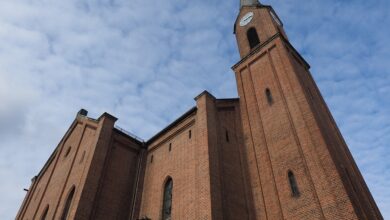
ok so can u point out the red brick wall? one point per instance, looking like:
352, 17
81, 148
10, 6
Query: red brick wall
279, 137
208, 172
236, 201
116, 191
93, 176
177, 163
89, 167
296, 132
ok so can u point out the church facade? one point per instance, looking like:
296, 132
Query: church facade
273, 153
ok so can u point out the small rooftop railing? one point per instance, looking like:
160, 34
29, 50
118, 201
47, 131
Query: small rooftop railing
130, 134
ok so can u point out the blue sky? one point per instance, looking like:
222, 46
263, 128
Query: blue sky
145, 61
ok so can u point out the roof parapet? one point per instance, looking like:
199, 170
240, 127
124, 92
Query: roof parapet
205, 92
249, 3
82, 112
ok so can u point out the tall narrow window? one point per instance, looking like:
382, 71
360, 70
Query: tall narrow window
227, 135
68, 202
44, 214
170, 147
189, 134
167, 200
67, 151
269, 96
293, 184
253, 38
151, 159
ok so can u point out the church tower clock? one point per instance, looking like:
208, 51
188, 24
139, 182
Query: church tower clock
299, 165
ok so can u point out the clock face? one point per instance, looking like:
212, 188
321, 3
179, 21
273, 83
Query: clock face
246, 19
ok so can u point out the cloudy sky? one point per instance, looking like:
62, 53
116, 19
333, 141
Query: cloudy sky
144, 61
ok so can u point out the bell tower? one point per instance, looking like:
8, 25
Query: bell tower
298, 162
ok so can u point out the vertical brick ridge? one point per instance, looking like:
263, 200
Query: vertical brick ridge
63, 190
93, 178
216, 159
235, 200
266, 145
250, 147
138, 187
292, 125
243, 161
103, 173
270, 195
208, 185
322, 182
51, 174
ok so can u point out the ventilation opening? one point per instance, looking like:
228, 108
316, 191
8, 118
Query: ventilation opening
269, 96
293, 184
189, 134
170, 146
253, 38
67, 151
151, 159
227, 135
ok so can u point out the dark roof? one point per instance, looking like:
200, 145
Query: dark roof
129, 135
174, 123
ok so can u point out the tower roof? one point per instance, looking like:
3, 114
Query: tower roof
248, 2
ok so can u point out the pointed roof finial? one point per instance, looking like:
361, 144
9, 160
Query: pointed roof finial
248, 2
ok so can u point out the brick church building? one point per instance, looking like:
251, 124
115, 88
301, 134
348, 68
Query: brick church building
273, 153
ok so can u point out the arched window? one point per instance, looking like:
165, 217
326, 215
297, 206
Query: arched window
253, 38
44, 214
167, 200
293, 184
269, 96
68, 202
